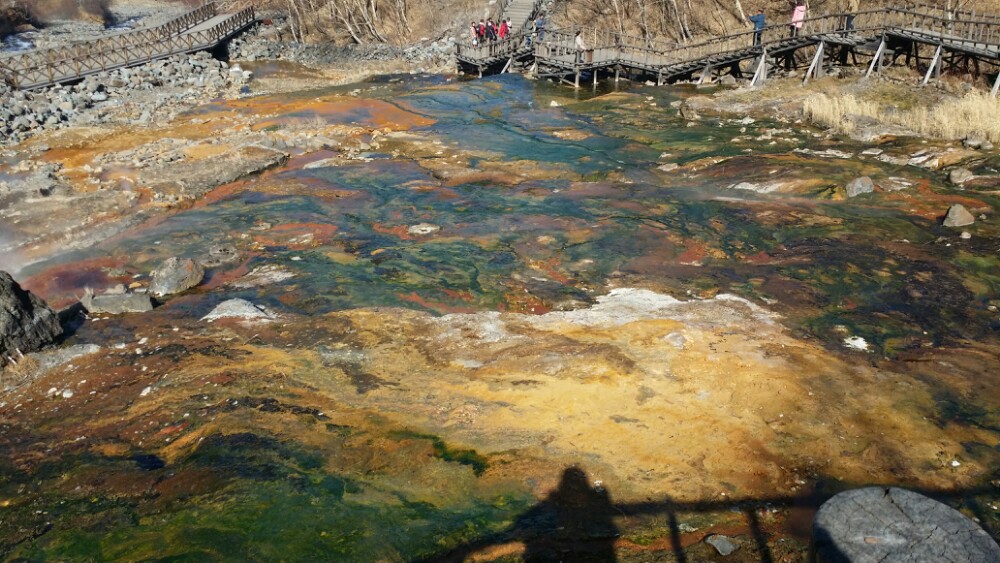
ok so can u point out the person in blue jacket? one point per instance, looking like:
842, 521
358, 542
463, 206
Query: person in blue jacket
758, 26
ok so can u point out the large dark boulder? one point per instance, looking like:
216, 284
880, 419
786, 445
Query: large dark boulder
26, 322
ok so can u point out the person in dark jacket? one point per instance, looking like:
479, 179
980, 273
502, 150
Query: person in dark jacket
759, 24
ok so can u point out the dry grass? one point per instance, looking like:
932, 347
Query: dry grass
949, 118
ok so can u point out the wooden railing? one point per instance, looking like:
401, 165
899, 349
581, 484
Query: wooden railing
612, 48
50, 66
189, 20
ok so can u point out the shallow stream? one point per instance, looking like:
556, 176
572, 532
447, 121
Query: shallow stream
389, 257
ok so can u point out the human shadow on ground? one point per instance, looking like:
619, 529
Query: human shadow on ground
573, 523
576, 521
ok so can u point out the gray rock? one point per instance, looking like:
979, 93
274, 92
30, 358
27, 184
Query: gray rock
722, 544
975, 141
117, 303
896, 525
958, 216
858, 186
239, 309
959, 176
176, 275
26, 322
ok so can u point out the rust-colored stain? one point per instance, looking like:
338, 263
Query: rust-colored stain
297, 236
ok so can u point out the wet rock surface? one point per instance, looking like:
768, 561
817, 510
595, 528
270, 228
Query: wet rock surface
27, 323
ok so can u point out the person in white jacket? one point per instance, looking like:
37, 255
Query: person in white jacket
581, 47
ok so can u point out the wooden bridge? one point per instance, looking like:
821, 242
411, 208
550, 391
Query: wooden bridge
953, 38
197, 30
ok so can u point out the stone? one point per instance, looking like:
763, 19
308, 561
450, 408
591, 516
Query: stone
858, 186
668, 167
176, 275
688, 112
958, 216
239, 309
117, 303
892, 524
975, 141
722, 544
959, 176
27, 323
219, 255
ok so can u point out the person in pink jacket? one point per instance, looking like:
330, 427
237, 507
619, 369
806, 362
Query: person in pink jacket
798, 16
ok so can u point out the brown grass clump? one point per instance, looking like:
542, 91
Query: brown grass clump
949, 118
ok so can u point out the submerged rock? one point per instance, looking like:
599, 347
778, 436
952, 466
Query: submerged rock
891, 524
858, 186
958, 216
176, 275
239, 309
27, 323
117, 303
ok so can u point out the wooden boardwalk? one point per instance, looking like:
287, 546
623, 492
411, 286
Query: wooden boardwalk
881, 34
200, 29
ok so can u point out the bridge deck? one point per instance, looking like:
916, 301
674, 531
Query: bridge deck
555, 53
197, 30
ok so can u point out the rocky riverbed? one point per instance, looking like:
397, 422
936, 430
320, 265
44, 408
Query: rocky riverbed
418, 317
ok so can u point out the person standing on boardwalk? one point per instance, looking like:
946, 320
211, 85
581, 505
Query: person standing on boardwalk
759, 24
798, 17
581, 47
504, 29
540, 27
852, 9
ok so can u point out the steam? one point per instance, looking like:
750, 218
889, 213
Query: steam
11, 260
48, 10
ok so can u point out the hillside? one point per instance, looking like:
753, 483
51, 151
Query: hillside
400, 22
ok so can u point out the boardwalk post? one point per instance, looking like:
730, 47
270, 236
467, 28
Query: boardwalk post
935, 63
996, 86
816, 68
876, 60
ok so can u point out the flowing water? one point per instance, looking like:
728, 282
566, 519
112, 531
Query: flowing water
448, 336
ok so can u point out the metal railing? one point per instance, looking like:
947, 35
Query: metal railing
62, 64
